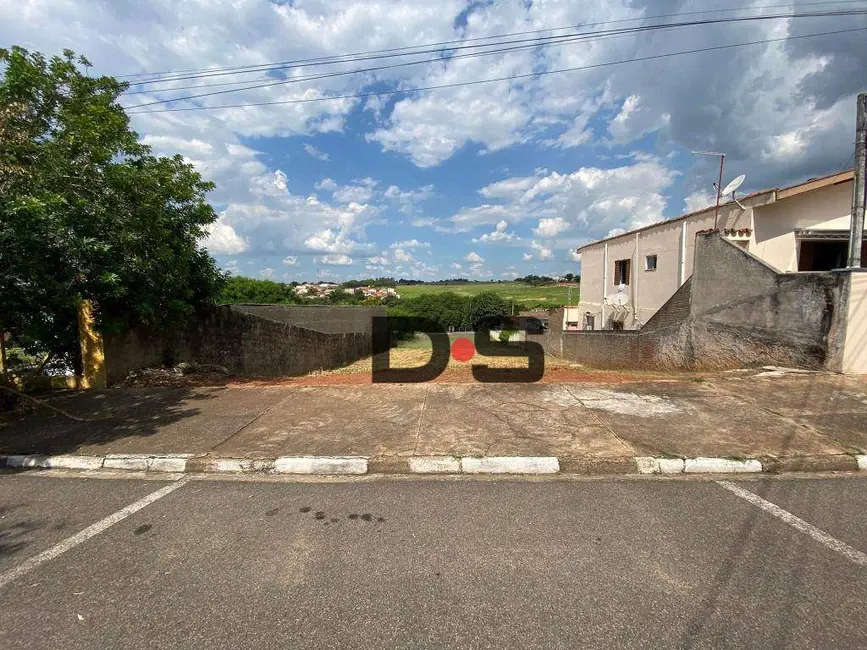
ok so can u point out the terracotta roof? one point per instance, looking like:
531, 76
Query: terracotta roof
782, 193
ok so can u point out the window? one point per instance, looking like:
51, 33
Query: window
617, 325
621, 272
589, 321
650, 263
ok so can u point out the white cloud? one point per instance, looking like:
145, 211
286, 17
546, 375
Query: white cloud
593, 198
573, 255
334, 260
401, 255
551, 227
410, 243
290, 261
327, 184
333, 241
698, 200
378, 260
540, 251
499, 234
474, 257
267, 274
316, 153
222, 239
634, 120
353, 194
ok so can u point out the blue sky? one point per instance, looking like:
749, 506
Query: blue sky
482, 181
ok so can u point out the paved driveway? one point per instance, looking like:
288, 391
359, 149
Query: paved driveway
728, 416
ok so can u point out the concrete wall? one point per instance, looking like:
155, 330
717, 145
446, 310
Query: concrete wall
245, 343
735, 311
324, 318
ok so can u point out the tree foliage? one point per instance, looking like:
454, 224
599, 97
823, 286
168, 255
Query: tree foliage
446, 308
486, 306
240, 290
87, 211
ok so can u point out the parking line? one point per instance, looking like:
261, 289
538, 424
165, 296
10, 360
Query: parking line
797, 523
87, 533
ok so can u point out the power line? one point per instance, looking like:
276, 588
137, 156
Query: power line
510, 78
536, 43
170, 75
546, 41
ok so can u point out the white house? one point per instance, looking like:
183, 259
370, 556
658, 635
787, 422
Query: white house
625, 279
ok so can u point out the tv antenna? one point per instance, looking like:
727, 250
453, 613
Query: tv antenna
731, 187
722, 161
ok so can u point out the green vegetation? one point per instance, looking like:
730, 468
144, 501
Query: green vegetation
523, 295
241, 290
87, 212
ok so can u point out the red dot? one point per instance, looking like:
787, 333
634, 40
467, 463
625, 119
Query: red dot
463, 349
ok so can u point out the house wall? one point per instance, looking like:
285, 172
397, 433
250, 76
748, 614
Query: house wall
735, 311
673, 243
773, 238
772, 221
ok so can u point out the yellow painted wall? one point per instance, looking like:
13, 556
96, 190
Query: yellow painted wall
773, 240
855, 350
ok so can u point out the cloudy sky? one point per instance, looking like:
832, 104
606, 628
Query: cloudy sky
488, 180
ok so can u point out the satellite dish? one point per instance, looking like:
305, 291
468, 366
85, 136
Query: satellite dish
735, 184
619, 299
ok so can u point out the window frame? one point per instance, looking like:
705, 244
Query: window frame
647, 258
624, 265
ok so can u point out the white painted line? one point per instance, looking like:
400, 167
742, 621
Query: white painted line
510, 465
862, 461
652, 465
64, 461
81, 537
434, 465
167, 464
721, 466
321, 465
797, 523
132, 463
238, 465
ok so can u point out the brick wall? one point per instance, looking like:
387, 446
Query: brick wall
246, 344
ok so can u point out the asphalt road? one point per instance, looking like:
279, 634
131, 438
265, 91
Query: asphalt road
619, 563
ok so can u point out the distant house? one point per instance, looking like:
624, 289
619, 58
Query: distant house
625, 279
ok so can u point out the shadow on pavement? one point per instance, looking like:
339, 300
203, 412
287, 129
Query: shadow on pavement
110, 415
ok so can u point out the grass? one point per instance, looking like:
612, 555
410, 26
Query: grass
552, 295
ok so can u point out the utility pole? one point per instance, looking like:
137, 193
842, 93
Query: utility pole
856, 226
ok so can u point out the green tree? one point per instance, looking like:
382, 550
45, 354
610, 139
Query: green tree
487, 305
241, 290
86, 211
446, 308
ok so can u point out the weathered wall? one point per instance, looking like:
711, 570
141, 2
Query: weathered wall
735, 311
246, 344
324, 318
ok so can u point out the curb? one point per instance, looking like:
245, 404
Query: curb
360, 465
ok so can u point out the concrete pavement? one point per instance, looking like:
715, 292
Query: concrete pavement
601, 563
806, 422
